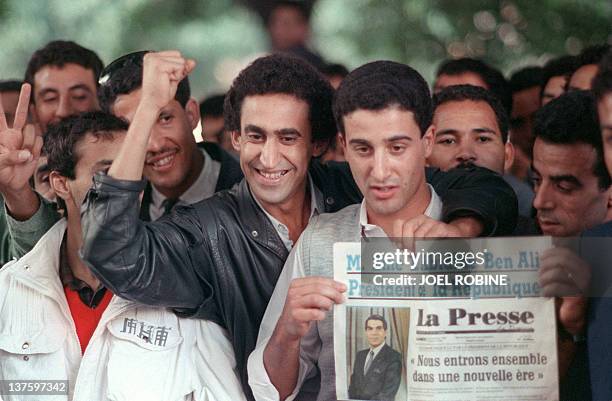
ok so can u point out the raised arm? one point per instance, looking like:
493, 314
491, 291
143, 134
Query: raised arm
161, 75
147, 262
19, 151
150, 263
27, 217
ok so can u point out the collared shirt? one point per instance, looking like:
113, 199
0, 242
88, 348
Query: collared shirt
87, 295
434, 211
374, 351
294, 268
377, 349
316, 205
202, 188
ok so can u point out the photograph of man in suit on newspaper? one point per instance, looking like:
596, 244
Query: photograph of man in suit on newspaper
377, 370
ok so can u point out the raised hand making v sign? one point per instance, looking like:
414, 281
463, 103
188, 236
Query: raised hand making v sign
19, 151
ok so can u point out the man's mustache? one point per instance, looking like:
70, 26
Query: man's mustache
465, 164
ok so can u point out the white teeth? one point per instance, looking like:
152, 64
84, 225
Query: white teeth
163, 162
273, 176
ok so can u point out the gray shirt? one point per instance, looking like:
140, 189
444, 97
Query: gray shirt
316, 205
313, 256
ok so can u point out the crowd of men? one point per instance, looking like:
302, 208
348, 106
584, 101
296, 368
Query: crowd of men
141, 264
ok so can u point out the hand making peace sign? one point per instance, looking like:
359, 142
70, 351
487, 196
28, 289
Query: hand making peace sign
19, 146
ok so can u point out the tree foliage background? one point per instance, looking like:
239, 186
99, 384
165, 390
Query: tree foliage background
224, 35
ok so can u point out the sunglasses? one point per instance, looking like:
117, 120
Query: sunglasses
127, 61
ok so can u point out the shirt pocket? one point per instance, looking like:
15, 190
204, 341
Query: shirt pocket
146, 360
33, 336
39, 355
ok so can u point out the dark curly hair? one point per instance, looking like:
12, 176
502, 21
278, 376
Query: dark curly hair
572, 118
458, 93
494, 79
61, 139
59, 53
124, 75
283, 74
381, 84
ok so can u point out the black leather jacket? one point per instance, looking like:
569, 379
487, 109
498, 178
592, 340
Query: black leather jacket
219, 259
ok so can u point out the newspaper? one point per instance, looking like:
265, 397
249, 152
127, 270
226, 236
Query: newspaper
487, 345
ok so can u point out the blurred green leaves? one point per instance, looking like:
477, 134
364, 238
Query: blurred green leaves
223, 36
508, 33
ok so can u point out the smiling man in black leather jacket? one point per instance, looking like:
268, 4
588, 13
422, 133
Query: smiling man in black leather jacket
219, 259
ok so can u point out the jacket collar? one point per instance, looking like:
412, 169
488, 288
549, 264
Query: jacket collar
315, 198
39, 268
256, 223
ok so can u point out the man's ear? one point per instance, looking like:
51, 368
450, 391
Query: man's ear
320, 147
508, 155
342, 140
427, 140
235, 140
192, 110
59, 184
